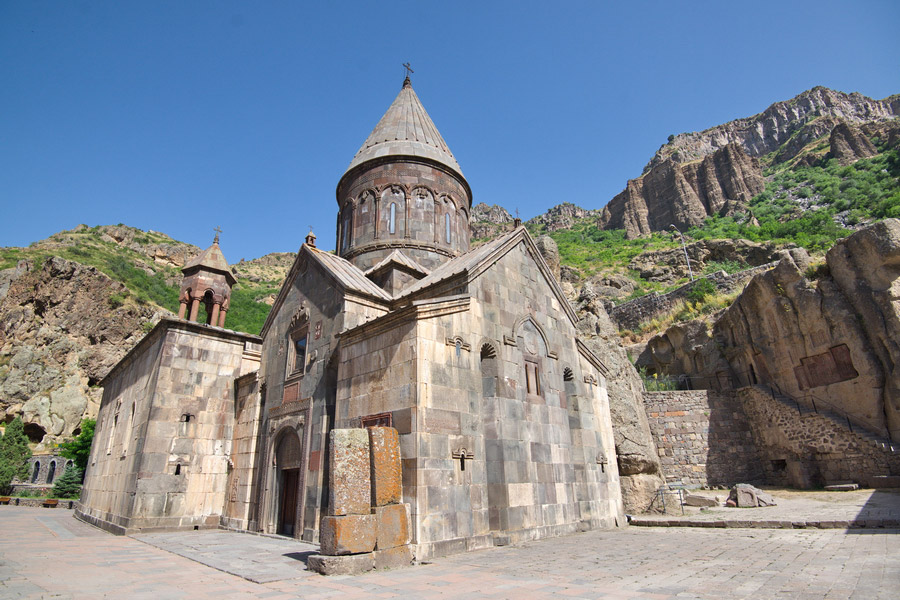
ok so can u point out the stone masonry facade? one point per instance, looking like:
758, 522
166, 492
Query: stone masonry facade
706, 437
703, 438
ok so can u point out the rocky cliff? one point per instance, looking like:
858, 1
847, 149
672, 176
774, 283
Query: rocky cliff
821, 333
684, 195
717, 171
62, 326
489, 221
767, 131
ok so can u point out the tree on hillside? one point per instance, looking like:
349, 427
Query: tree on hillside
79, 449
14, 455
69, 485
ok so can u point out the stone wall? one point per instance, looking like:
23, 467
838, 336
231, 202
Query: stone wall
160, 456
640, 310
805, 449
42, 475
703, 438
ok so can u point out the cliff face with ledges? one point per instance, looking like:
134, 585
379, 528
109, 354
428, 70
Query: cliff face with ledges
685, 194
766, 132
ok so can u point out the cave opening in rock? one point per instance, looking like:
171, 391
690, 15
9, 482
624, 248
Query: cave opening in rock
34, 432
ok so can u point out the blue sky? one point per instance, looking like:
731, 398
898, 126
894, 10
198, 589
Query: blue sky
183, 116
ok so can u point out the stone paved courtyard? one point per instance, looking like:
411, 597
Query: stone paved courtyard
48, 554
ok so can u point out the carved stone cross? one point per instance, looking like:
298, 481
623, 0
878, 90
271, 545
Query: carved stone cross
408, 69
463, 455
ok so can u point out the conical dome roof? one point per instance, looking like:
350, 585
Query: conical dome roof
406, 130
212, 259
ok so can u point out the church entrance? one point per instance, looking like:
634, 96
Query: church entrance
288, 458
290, 481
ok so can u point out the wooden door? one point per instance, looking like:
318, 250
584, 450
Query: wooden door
290, 479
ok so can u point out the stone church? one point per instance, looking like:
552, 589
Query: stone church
470, 354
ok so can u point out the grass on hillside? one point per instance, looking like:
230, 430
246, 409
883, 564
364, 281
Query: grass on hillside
864, 191
118, 263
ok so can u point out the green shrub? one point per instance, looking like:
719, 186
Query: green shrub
79, 449
14, 455
700, 290
69, 485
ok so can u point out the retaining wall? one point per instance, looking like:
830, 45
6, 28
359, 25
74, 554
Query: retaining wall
703, 438
640, 310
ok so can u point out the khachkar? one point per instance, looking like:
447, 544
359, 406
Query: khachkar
367, 525
208, 280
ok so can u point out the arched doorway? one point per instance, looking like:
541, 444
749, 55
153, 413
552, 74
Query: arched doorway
288, 458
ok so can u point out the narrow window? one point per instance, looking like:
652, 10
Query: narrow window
447, 227
51, 472
345, 230
37, 471
458, 348
532, 379
298, 349
392, 223
178, 469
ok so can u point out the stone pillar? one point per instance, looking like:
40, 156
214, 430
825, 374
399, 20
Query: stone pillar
195, 309
366, 526
182, 309
214, 318
222, 317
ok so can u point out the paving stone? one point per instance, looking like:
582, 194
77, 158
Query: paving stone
394, 558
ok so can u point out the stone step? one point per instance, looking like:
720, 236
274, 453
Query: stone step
841, 487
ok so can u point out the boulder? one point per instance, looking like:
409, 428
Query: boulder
744, 495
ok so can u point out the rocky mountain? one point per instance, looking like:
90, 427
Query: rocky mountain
684, 195
822, 333
63, 325
73, 305
716, 172
807, 117
489, 221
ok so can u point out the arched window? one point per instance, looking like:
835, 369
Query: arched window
392, 222
345, 230
51, 472
489, 370
447, 227
36, 472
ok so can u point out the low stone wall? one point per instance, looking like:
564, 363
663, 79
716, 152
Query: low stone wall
640, 310
69, 504
703, 438
810, 449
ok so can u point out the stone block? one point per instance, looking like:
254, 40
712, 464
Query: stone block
347, 534
341, 565
698, 500
394, 558
349, 492
393, 526
386, 473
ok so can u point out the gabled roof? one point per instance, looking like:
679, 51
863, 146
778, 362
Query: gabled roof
398, 258
475, 262
344, 273
213, 259
406, 130
348, 275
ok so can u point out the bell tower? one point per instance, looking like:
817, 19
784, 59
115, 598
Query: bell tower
207, 279
403, 191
